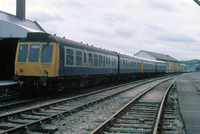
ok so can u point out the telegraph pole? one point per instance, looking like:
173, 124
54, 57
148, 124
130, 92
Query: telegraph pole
197, 1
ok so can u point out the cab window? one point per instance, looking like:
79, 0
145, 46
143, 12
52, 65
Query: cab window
34, 53
23, 50
47, 51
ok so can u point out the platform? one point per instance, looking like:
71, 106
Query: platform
189, 99
7, 83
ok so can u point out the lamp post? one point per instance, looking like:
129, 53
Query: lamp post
197, 1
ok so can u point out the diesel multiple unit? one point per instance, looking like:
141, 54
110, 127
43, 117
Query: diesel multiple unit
44, 59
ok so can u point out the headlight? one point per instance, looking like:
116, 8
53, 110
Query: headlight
20, 70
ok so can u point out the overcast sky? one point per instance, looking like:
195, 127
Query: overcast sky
126, 26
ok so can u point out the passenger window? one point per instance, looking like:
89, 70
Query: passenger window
104, 61
100, 61
132, 64
78, 58
90, 59
34, 53
124, 63
109, 61
69, 57
84, 57
112, 63
47, 51
95, 60
23, 50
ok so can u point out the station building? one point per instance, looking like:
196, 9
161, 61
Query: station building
17, 26
172, 64
13, 28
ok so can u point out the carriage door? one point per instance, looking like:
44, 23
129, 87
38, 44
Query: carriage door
156, 67
85, 58
84, 63
61, 62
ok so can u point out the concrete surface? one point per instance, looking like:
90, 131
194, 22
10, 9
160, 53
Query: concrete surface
189, 100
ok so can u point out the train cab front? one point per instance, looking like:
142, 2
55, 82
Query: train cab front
36, 62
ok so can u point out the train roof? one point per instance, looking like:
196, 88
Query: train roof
129, 57
139, 58
156, 61
46, 37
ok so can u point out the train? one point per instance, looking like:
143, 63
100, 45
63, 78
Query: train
45, 60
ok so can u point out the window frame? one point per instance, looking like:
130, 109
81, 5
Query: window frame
19, 53
42, 53
65, 56
96, 60
80, 57
30, 55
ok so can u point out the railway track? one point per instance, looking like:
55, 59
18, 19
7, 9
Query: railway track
15, 103
10, 97
10, 103
171, 120
33, 119
8, 90
143, 115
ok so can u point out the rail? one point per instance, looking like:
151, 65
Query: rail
62, 111
160, 109
104, 125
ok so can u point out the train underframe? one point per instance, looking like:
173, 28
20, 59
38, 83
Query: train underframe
48, 85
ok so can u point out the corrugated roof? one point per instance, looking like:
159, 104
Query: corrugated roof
18, 21
161, 56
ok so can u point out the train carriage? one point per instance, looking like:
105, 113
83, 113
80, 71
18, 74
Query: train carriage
129, 66
149, 66
82, 60
160, 67
43, 59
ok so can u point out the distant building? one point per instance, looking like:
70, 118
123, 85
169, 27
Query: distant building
197, 67
172, 64
185, 68
17, 26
